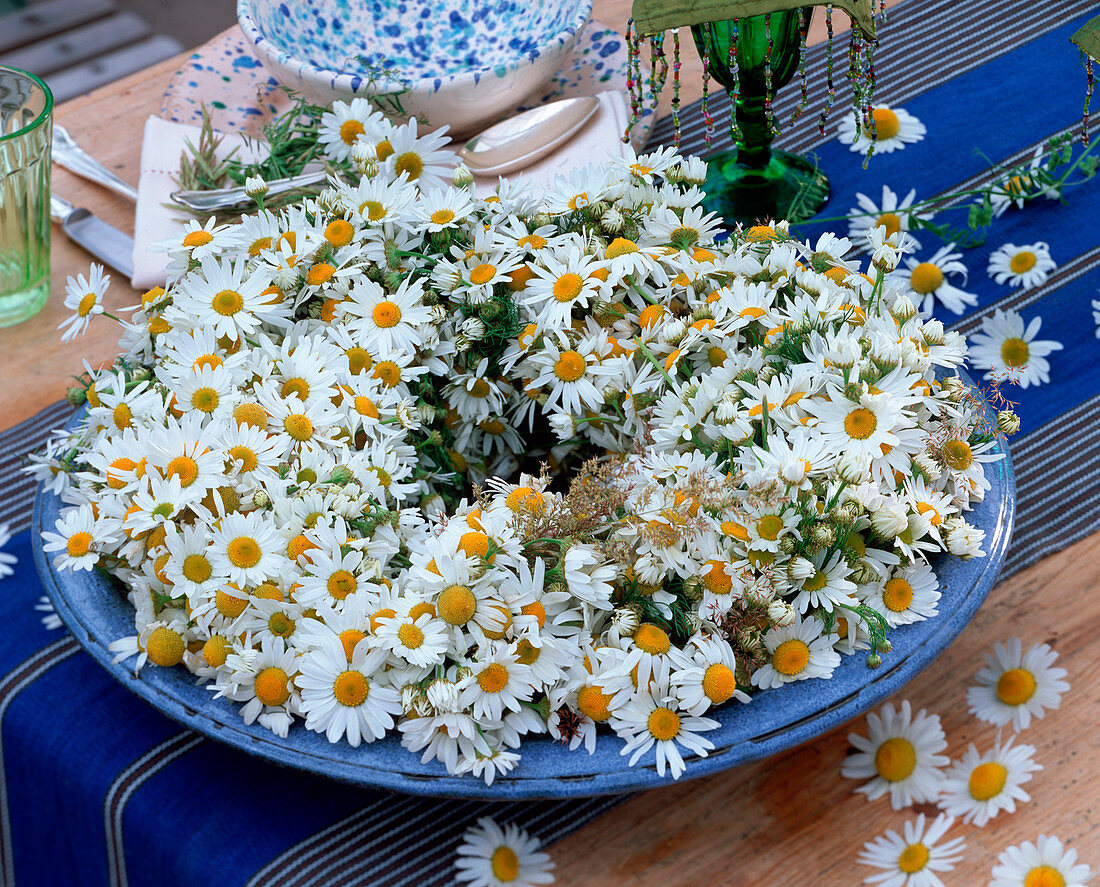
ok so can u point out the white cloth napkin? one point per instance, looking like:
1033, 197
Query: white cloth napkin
600, 139
161, 150
164, 142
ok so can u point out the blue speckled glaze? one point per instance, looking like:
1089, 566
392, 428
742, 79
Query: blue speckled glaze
414, 41
776, 720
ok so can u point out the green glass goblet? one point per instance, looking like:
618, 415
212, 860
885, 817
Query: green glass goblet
752, 181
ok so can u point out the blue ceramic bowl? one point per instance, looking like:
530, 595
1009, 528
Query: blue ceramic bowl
96, 613
456, 62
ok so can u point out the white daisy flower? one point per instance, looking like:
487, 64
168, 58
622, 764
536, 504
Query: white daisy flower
78, 538
910, 595
7, 560
709, 680
497, 681
654, 719
900, 755
1021, 266
1046, 863
85, 297
890, 216
228, 297
263, 680
1014, 686
490, 856
422, 159
864, 427
979, 786
795, 653
386, 322
929, 280
1096, 316
1019, 187
912, 859
1004, 346
418, 638
894, 128
342, 697
347, 124
246, 548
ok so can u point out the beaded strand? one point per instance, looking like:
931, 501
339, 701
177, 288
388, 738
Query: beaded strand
768, 115
831, 90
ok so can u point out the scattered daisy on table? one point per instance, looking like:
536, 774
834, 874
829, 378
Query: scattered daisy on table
901, 756
491, 856
894, 128
892, 215
1096, 316
980, 786
1046, 863
1005, 346
1017, 188
1021, 266
7, 560
1015, 687
913, 858
85, 297
930, 280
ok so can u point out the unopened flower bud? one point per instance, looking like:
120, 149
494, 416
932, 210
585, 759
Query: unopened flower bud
890, 519
626, 620
780, 613
612, 221
933, 332
261, 500
853, 467
1008, 422
462, 177
800, 568
255, 187
874, 660
903, 308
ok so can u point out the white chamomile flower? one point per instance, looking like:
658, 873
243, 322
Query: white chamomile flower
85, 298
1046, 863
891, 216
342, 697
653, 719
894, 128
416, 637
1014, 686
7, 559
900, 756
978, 787
913, 858
386, 322
929, 280
347, 124
796, 652
1021, 266
1096, 316
422, 159
1004, 346
910, 595
246, 548
491, 856
76, 538
498, 681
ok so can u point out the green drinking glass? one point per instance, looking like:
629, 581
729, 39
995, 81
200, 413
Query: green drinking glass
26, 128
753, 181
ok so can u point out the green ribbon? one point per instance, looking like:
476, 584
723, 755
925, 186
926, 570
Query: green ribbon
655, 16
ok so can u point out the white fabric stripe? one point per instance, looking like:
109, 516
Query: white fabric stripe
115, 803
27, 674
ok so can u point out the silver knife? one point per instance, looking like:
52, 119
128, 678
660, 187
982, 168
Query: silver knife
103, 241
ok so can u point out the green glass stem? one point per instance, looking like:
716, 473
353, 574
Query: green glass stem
753, 182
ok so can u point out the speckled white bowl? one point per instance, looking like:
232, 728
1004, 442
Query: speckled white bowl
463, 63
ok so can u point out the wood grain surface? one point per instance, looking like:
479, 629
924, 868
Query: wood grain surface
791, 820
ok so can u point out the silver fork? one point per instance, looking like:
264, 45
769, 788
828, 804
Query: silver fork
236, 198
67, 153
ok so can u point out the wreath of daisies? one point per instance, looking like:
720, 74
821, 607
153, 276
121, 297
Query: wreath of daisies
727, 462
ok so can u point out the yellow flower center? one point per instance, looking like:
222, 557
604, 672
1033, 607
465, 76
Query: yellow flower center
79, 544
122, 416
411, 165
761, 234
320, 273
165, 647
350, 130
373, 210
349, 638
1016, 686
527, 653
339, 232
987, 780
719, 683
280, 625
1044, 876
456, 605
504, 863
913, 858
769, 527
244, 552
227, 302
1015, 352
410, 635
386, 314
896, 759
568, 287
493, 678
482, 273
364, 406
270, 686
620, 246
890, 221
957, 455
298, 426
524, 498
215, 651
183, 467
196, 568
474, 544
205, 399
532, 241
570, 366
926, 278
388, 372
341, 583
652, 639
592, 701
816, 582
229, 606
663, 724
736, 530
197, 238
86, 305
350, 688
715, 579
251, 414
359, 360
897, 595
860, 423
886, 124
791, 657
1023, 261
716, 356
259, 245
383, 150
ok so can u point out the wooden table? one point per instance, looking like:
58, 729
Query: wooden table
790, 820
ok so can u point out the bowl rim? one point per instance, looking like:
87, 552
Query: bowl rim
383, 85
